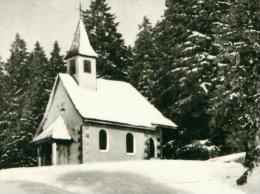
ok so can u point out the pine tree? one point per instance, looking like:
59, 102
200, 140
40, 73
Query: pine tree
2, 87
2, 67
16, 65
143, 72
25, 99
220, 28
3, 106
56, 61
41, 81
235, 40
15, 137
113, 60
234, 117
185, 64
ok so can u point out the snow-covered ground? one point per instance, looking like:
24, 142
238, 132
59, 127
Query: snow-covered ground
149, 176
230, 158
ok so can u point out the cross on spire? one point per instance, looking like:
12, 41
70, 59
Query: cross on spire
80, 10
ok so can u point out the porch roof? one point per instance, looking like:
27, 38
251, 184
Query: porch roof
56, 131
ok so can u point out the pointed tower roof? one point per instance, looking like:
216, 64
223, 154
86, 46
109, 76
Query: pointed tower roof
81, 44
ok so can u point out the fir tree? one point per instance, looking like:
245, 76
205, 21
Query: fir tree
56, 61
41, 81
220, 28
186, 70
3, 107
236, 45
15, 136
113, 60
234, 118
2, 67
143, 72
16, 65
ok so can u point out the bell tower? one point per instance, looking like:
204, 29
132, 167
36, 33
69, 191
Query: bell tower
81, 59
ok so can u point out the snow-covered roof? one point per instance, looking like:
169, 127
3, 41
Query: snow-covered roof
81, 44
56, 131
114, 101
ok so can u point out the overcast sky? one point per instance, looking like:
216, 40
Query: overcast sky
50, 20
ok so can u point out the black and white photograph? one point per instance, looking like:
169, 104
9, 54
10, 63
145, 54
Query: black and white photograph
129, 96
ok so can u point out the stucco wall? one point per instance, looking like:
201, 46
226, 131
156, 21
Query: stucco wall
70, 116
116, 143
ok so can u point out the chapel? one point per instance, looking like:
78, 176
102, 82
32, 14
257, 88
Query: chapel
90, 119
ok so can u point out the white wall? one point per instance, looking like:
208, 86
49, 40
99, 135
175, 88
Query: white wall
71, 117
86, 80
116, 143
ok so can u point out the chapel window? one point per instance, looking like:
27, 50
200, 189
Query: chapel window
102, 140
87, 66
129, 143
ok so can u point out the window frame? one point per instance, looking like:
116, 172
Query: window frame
89, 69
133, 144
107, 141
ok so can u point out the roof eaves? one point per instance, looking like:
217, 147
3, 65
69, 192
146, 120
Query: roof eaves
97, 121
57, 79
165, 126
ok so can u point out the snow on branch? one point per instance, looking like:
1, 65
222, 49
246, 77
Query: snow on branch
203, 86
198, 34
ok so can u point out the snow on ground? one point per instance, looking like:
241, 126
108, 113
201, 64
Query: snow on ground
142, 177
230, 158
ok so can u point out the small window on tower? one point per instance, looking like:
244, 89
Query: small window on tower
87, 66
72, 66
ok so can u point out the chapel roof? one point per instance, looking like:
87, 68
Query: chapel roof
56, 131
116, 102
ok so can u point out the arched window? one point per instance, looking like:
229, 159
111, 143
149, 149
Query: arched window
151, 148
102, 140
129, 143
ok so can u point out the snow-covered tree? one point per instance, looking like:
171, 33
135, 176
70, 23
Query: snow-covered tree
2, 67
15, 136
26, 89
185, 64
41, 82
234, 117
143, 71
16, 65
56, 61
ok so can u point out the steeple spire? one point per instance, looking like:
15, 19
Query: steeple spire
80, 10
81, 44
81, 58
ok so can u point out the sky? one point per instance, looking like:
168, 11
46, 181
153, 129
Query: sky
49, 20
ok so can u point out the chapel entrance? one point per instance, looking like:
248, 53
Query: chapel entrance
63, 153
151, 148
